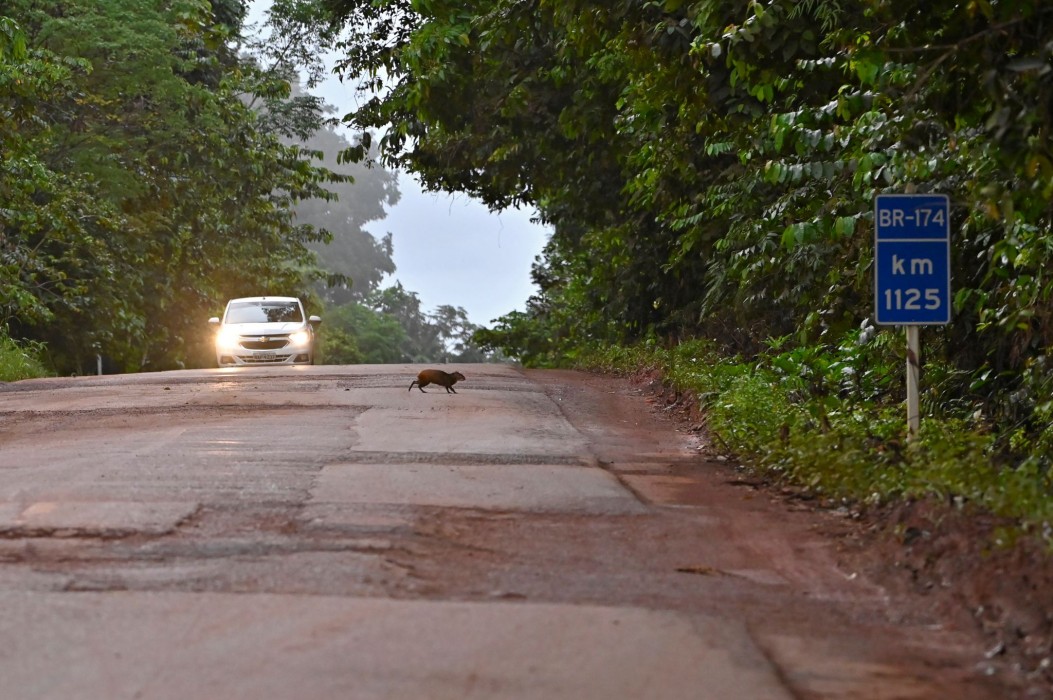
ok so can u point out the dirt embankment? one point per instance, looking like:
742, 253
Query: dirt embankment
946, 558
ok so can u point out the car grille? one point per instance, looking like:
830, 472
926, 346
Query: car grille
267, 344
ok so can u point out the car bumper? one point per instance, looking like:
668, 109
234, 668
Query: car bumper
270, 357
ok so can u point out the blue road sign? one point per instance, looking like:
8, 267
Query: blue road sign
912, 259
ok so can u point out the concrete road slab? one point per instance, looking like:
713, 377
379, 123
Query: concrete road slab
10, 512
482, 422
97, 519
359, 517
533, 488
99, 646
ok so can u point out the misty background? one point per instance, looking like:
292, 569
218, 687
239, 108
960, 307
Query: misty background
447, 249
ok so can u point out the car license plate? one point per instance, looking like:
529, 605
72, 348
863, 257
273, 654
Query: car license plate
263, 355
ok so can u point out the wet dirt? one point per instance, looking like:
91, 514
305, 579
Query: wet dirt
937, 564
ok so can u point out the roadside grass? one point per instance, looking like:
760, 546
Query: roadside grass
826, 421
20, 360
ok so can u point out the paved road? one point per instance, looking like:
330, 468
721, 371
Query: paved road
322, 532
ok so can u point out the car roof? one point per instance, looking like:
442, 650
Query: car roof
242, 299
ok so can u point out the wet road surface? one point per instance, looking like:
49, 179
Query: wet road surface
321, 532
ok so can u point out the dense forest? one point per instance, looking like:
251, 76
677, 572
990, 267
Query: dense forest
710, 167
157, 159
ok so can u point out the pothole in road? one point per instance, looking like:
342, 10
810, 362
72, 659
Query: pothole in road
96, 519
270, 549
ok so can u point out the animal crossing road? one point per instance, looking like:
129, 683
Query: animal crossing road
322, 532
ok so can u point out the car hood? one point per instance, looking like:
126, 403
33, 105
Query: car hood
264, 328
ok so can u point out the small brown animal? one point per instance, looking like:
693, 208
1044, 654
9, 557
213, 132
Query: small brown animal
436, 376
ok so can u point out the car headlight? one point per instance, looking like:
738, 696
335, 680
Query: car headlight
227, 339
299, 338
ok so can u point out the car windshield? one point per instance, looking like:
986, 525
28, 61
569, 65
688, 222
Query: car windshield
264, 312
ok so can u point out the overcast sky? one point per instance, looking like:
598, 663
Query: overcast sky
451, 249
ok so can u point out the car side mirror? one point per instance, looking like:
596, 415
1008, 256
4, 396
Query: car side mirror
214, 321
315, 321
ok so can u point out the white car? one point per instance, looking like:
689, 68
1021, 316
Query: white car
265, 330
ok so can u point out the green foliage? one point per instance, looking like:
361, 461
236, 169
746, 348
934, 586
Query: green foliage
457, 335
149, 173
518, 335
49, 223
338, 346
357, 334
390, 327
20, 360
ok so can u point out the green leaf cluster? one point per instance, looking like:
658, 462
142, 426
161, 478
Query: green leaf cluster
389, 326
21, 360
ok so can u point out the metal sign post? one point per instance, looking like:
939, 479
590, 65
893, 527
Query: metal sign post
912, 274
913, 375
